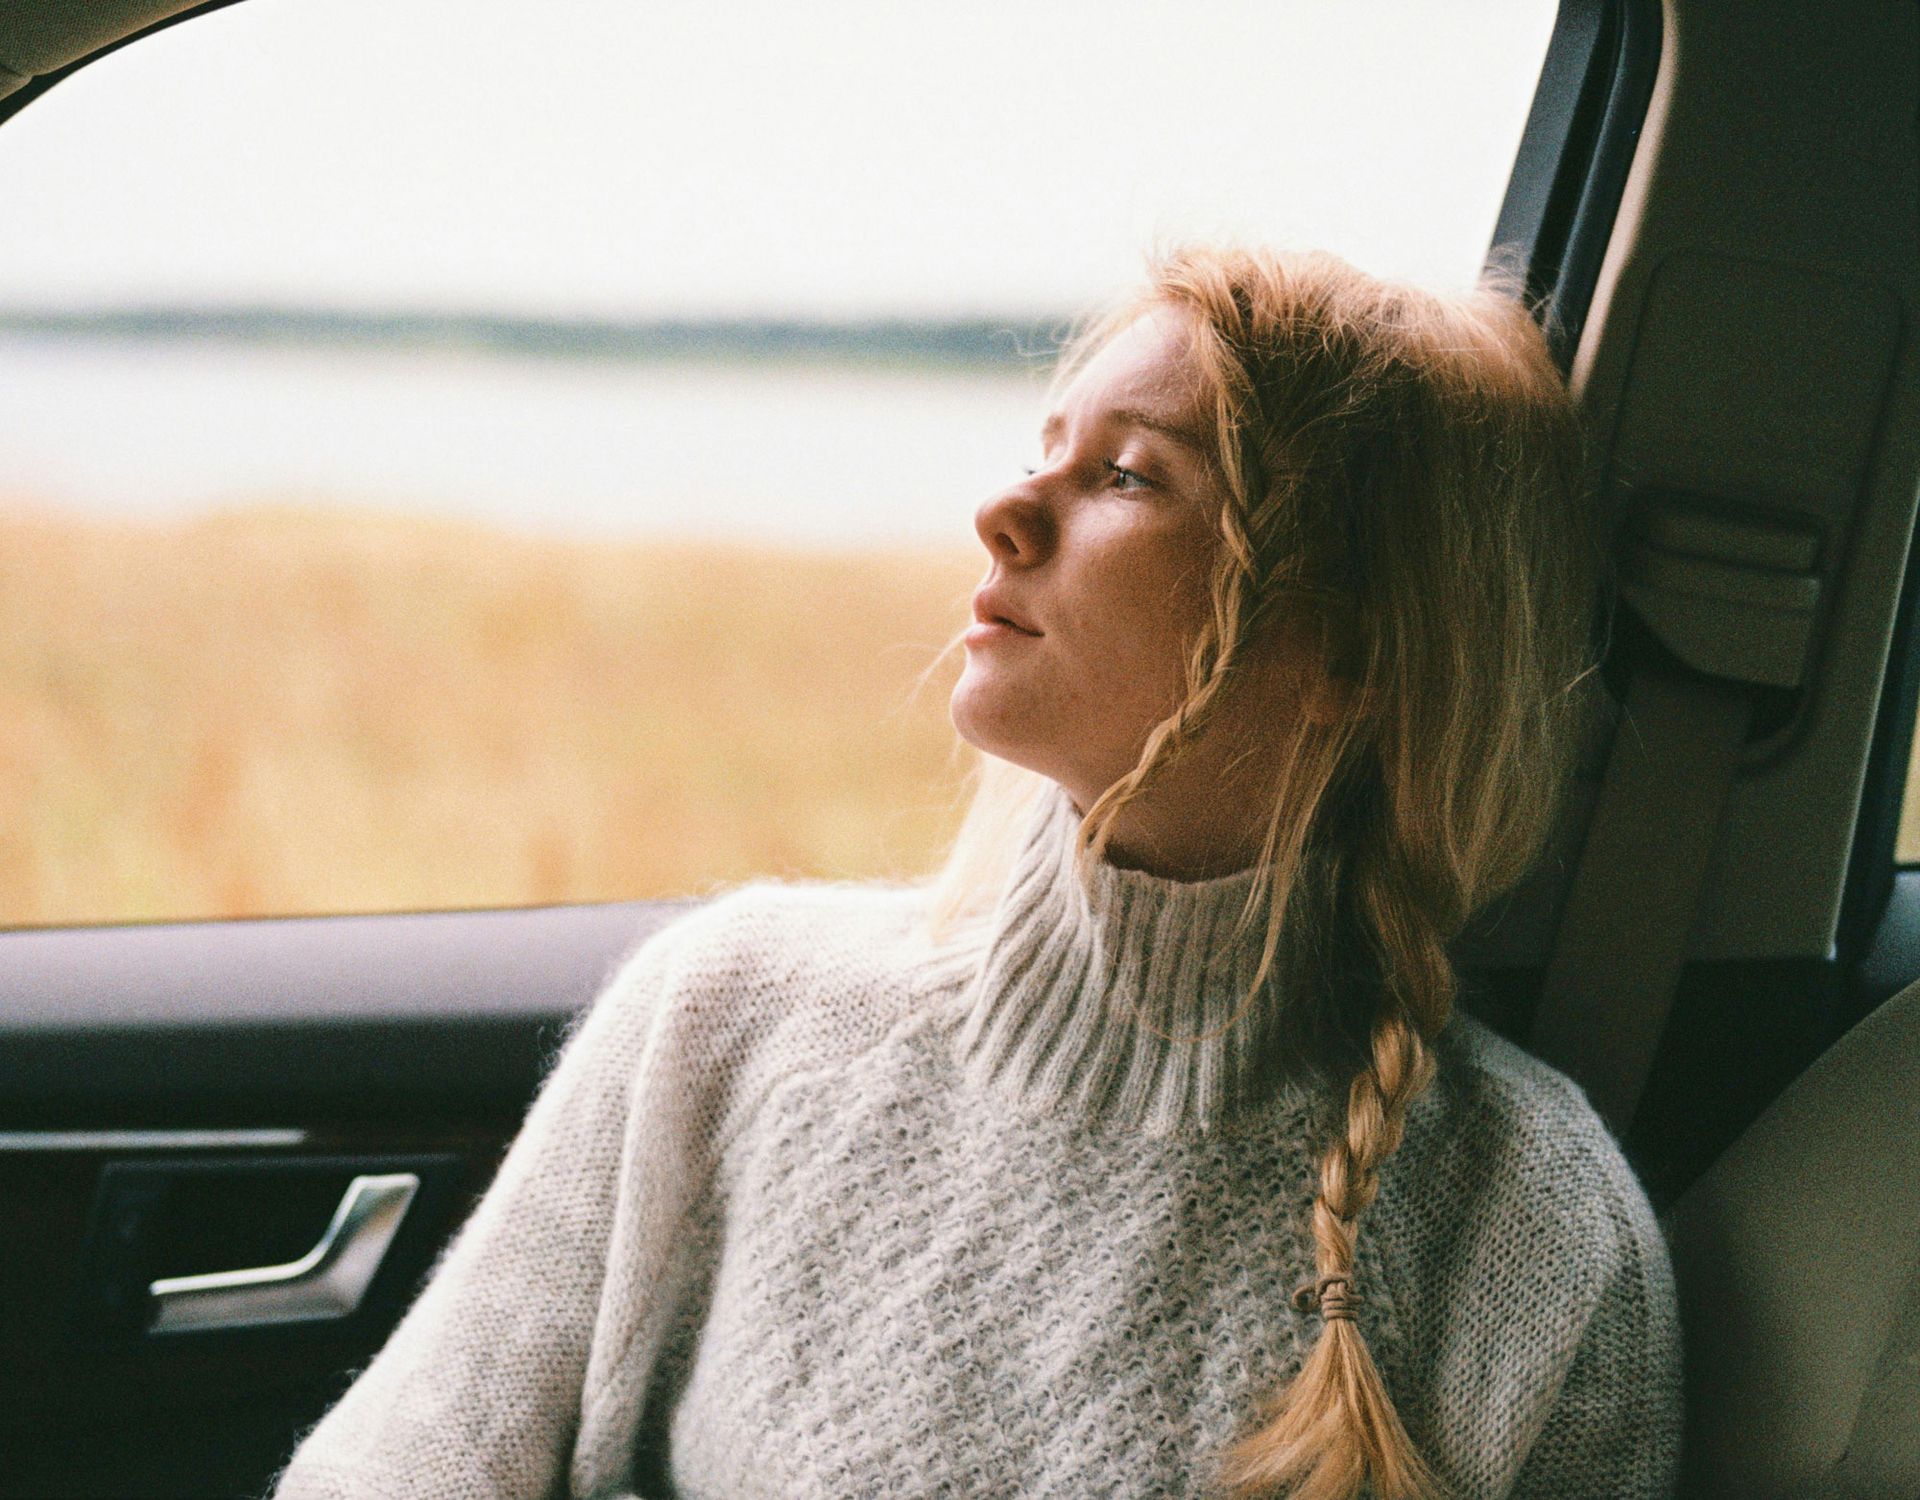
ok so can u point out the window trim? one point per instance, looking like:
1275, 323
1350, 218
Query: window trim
1570, 172
1873, 866
33, 88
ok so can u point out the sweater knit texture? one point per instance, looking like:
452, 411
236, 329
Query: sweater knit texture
809, 1207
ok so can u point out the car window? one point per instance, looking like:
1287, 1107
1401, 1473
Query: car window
450, 462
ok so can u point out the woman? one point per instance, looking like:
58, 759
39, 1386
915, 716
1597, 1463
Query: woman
1142, 1153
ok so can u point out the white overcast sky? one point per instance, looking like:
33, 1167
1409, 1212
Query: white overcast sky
588, 157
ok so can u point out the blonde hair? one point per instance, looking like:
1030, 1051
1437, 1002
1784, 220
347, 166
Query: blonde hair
1400, 473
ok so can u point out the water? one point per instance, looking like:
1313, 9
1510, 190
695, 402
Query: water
814, 455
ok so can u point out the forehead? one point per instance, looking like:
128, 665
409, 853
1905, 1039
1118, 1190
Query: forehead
1146, 367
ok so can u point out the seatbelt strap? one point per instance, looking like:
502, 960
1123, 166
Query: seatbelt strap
1630, 910
1883, 1454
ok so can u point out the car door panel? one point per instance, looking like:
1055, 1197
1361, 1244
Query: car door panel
196, 1099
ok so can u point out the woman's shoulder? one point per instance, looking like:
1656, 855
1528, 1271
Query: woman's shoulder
1529, 1278
1520, 1163
1530, 1117
783, 941
771, 977
1539, 1283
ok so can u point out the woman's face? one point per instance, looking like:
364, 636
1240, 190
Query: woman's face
1099, 559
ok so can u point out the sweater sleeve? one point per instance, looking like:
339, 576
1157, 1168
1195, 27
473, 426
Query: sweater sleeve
1612, 1431
478, 1392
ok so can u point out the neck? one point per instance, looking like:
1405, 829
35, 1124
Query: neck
1129, 998
1202, 817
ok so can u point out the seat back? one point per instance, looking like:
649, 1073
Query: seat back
1794, 1256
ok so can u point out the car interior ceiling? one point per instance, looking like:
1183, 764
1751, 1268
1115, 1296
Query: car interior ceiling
1717, 945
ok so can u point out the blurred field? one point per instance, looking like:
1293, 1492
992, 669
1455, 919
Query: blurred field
282, 710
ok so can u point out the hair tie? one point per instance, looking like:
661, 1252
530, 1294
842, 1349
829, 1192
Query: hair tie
1337, 1298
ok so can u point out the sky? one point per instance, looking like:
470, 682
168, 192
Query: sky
848, 158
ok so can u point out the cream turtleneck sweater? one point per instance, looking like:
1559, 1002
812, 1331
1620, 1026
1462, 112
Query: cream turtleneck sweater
808, 1208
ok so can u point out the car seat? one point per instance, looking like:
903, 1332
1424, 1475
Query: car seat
1798, 1262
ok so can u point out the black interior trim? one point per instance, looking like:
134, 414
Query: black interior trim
279, 1022
1891, 961
1571, 168
21, 97
1870, 912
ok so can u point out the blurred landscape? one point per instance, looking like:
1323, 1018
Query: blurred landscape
288, 709
978, 342
347, 612
317, 611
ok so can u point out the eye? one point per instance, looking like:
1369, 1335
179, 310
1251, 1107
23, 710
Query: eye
1126, 479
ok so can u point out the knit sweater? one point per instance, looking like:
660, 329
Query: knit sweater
811, 1208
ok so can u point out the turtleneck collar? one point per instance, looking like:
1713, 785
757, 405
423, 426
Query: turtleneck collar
1121, 1000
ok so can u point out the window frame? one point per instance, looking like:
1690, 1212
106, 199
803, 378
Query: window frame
1570, 171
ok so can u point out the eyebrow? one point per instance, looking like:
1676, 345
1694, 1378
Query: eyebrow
1134, 417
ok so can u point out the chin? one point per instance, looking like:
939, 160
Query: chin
964, 714
988, 722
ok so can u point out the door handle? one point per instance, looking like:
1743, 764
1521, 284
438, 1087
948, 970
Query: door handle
329, 1281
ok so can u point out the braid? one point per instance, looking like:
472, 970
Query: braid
1377, 1102
1336, 1427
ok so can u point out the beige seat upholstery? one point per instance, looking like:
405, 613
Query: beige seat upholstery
1797, 1258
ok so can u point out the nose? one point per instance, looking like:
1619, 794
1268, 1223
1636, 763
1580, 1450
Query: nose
1014, 525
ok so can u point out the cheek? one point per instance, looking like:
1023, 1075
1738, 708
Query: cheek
1124, 609
1150, 618
1108, 672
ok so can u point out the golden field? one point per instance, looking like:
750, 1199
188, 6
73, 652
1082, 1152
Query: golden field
284, 710
280, 709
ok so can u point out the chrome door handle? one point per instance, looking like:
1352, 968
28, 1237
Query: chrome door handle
329, 1281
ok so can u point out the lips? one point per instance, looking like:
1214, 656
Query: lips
990, 609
